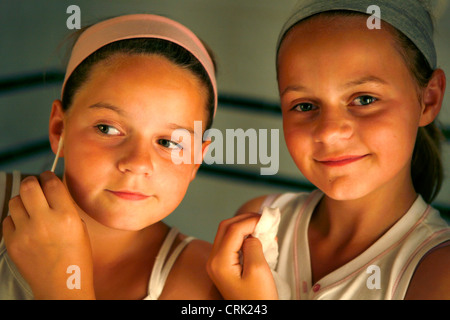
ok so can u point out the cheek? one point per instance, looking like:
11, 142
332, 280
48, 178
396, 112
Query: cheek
86, 166
393, 136
179, 176
172, 182
297, 141
86, 156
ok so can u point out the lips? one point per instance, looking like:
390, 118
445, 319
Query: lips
129, 195
341, 160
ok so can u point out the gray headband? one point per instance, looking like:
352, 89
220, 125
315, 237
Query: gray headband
408, 16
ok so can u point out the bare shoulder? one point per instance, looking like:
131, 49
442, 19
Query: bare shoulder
431, 280
253, 205
188, 278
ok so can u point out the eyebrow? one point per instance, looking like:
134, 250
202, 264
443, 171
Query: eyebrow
365, 80
175, 126
293, 88
103, 105
353, 83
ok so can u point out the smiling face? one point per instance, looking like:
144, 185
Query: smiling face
350, 107
117, 139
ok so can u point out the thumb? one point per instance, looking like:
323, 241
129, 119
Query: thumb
256, 270
254, 262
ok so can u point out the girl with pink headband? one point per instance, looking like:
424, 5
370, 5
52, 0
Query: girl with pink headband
97, 234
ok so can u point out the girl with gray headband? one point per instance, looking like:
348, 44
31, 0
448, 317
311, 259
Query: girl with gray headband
359, 94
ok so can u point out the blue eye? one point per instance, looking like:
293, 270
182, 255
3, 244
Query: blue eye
107, 130
304, 107
364, 100
169, 144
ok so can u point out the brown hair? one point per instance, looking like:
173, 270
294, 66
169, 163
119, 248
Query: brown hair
426, 168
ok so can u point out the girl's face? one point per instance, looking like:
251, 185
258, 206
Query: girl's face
117, 140
350, 106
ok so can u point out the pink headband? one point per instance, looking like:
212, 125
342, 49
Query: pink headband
140, 26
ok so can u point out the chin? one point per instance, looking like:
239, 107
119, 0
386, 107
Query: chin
119, 225
342, 196
344, 191
122, 221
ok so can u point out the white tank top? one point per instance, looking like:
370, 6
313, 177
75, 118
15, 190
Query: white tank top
14, 287
381, 272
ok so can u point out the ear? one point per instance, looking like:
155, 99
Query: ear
56, 126
205, 146
432, 97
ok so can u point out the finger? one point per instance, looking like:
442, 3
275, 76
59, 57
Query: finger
256, 270
234, 236
55, 191
32, 196
8, 228
17, 211
226, 223
254, 260
224, 226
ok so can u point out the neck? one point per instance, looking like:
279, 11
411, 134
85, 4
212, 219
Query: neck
366, 219
112, 246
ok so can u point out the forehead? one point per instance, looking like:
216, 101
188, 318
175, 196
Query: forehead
334, 26
121, 69
324, 41
145, 80
150, 63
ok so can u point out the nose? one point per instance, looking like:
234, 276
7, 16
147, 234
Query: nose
333, 126
136, 157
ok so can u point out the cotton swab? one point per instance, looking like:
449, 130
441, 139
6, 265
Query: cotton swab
60, 144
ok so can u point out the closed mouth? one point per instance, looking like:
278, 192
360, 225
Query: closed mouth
341, 161
129, 195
